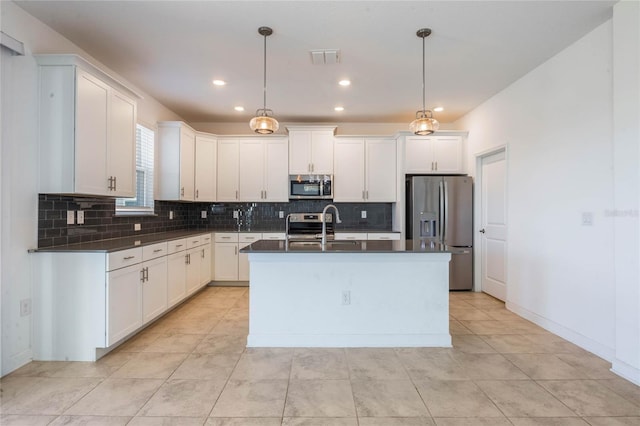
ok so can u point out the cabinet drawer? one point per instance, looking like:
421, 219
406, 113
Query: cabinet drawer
123, 258
250, 237
205, 239
383, 236
194, 241
273, 236
153, 251
351, 236
176, 246
226, 237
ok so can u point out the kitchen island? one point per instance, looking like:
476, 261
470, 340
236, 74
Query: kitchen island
348, 294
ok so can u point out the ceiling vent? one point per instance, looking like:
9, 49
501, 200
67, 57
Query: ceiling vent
325, 56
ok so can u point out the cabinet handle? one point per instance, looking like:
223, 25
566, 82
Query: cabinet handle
146, 273
157, 250
142, 275
178, 245
128, 257
110, 183
235, 250
436, 166
313, 166
236, 194
187, 261
197, 194
308, 167
182, 191
363, 194
203, 253
225, 238
367, 192
115, 183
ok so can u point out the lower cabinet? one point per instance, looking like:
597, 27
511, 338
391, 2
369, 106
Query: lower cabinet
154, 288
230, 264
193, 262
176, 277
124, 302
364, 236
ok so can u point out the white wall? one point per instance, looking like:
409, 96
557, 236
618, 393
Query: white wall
19, 170
557, 124
626, 139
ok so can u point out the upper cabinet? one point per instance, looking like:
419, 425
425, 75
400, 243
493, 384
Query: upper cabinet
365, 170
311, 150
205, 167
176, 161
260, 176
434, 154
87, 127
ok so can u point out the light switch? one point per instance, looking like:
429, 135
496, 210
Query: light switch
170, 214
136, 227
203, 214
281, 214
363, 214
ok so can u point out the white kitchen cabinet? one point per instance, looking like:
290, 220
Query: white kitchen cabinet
245, 239
154, 288
383, 236
228, 172
205, 264
124, 302
365, 170
176, 277
205, 167
351, 236
193, 262
230, 264
263, 170
86, 129
433, 154
176, 161
311, 150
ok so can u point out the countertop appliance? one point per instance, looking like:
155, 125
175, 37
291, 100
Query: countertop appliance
308, 226
310, 187
440, 209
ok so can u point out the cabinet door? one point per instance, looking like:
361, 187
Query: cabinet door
228, 170
226, 262
205, 264
252, 170
121, 146
348, 178
418, 155
322, 152
205, 163
91, 136
187, 164
380, 171
447, 154
176, 278
194, 261
154, 289
275, 171
243, 263
124, 302
300, 152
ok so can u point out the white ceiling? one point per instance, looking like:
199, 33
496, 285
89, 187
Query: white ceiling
174, 49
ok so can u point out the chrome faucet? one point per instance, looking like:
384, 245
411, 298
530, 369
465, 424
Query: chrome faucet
324, 222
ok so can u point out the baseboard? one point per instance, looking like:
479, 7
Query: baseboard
16, 361
228, 284
626, 371
349, 340
584, 342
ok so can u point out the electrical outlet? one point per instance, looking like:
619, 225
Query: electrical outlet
25, 307
136, 227
346, 297
363, 214
203, 214
80, 216
170, 214
235, 214
281, 214
587, 218
71, 217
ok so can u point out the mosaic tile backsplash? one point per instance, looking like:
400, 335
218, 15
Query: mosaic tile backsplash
102, 223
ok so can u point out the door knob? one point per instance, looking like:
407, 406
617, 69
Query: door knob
482, 231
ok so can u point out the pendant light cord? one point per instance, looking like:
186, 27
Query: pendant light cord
264, 104
424, 89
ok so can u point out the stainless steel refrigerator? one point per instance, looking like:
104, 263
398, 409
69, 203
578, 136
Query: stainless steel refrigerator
440, 209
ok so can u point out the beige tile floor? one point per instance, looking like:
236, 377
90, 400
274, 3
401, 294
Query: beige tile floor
191, 368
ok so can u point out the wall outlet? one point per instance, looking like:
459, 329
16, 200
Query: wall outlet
235, 214
80, 216
136, 227
71, 217
25, 307
363, 214
281, 214
346, 297
587, 218
203, 214
170, 214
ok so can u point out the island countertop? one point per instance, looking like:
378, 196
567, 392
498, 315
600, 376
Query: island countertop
344, 246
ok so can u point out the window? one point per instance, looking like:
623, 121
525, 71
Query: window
142, 203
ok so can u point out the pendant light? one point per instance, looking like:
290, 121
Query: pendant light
424, 124
263, 122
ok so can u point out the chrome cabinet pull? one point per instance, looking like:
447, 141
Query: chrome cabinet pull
436, 166
203, 253
363, 194
182, 191
235, 250
128, 257
142, 275
236, 194
197, 194
115, 183
157, 250
367, 195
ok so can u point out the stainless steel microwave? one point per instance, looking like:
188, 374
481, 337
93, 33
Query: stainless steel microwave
310, 187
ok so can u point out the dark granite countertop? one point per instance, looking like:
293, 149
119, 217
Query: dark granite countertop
344, 246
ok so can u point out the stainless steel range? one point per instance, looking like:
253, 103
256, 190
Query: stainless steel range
308, 226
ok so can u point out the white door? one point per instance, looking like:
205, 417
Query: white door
187, 164
322, 152
275, 171
299, 152
205, 264
205, 176
121, 146
381, 171
154, 289
228, 169
226, 262
447, 154
124, 302
251, 170
493, 224
176, 278
194, 261
348, 178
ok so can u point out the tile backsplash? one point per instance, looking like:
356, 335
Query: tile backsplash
102, 223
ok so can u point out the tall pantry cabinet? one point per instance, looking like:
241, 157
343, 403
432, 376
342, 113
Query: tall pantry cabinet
87, 129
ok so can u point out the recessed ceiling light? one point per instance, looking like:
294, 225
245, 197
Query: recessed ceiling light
219, 82
339, 109
344, 83
438, 109
239, 108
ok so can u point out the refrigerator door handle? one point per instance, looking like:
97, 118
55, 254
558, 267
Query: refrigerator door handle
441, 203
446, 212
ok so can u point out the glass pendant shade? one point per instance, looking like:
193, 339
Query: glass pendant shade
264, 124
424, 124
